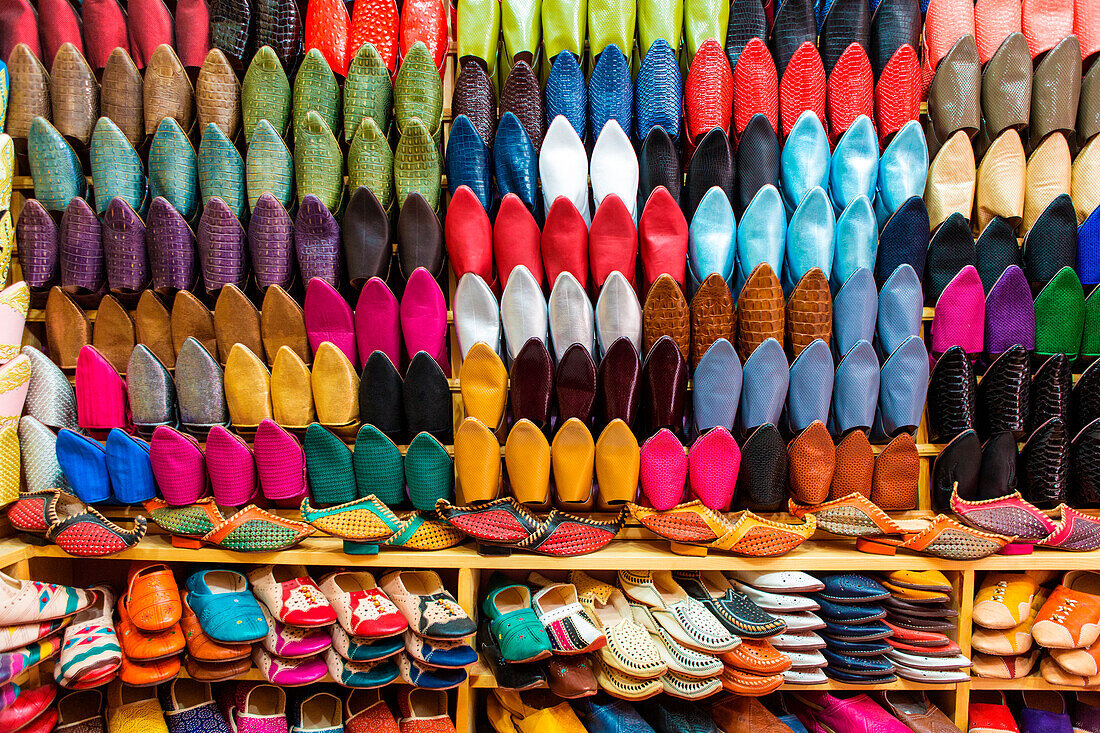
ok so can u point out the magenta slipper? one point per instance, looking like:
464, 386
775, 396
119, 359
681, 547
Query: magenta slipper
664, 470
231, 467
179, 466
424, 318
280, 464
377, 325
328, 318
960, 315
101, 402
712, 468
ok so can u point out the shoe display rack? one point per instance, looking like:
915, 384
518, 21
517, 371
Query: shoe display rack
465, 570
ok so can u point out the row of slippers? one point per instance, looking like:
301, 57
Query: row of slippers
381, 324
219, 97
184, 702
127, 253
279, 24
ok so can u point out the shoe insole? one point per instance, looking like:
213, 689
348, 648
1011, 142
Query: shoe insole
420, 584
512, 599
427, 703
353, 582
1087, 583
224, 581
264, 700
188, 693
321, 711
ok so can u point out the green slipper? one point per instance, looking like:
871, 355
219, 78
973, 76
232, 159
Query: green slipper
58, 177
514, 624
478, 31
174, 168
521, 23
328, 467
416, 164
221, 170
1060, 315
660, 19
378, 466
370, 162
318, 162
429, 472
612, 21
269, 166
418, 90
563, 27
703, 20
266, 93
368, 91
1090, 340
315, 90
117, 171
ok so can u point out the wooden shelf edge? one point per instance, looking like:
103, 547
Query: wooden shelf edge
814, 555
1031, 682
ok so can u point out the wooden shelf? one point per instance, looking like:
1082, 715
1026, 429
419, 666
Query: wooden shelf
1031, 682
814, 555
481, 677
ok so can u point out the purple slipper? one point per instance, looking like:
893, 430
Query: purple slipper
317, 241
223, 247
124, 247
38, 237
1009, 313
171, 245
81, 248
271, 242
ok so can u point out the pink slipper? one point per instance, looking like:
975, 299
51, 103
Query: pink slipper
424, 318
100, 393
377, 327
328, 318
712, 466
179, 466
281, 464
231, 467
664, 470
960, 315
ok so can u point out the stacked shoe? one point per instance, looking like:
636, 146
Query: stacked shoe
1005, 608
437, 649
786, 596
678, 635
543, 636
920, 606
854, 629
148, 626
1065, 625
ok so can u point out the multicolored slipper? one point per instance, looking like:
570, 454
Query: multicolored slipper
1073, 531
187, 524
1006, 515
424, 531
80, 530
367, 521
254, 530
565, 535
501, 522
692, 529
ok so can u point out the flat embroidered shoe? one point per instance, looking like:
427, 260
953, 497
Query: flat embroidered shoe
629, 649
431, 611
80, 530
734, 610
685, 619
291, 596
254, 530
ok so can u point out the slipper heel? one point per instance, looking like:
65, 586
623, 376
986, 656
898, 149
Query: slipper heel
490, 550
688, 550
186, 543
878, 545
351, 547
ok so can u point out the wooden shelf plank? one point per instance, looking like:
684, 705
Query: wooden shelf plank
1031, 682
814, 555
